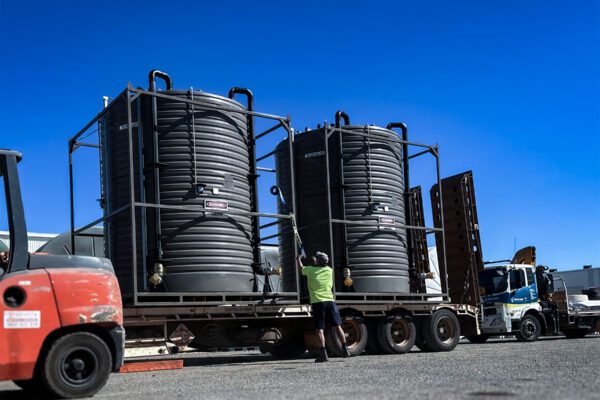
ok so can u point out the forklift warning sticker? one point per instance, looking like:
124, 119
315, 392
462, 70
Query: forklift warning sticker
22, 319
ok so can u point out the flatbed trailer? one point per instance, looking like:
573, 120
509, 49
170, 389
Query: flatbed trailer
278, 322
286, 330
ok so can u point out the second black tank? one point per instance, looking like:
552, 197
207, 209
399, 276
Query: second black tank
366, 188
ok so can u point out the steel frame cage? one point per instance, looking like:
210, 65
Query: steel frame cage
132, 95
347, 297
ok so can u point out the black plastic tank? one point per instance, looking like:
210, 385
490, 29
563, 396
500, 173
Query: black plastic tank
183, 155
88, 243
366, 186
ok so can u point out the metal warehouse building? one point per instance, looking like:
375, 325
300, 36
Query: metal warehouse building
36, 240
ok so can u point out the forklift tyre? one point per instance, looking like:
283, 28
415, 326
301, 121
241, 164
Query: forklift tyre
441, 331
529, 330
76, 365
478, 338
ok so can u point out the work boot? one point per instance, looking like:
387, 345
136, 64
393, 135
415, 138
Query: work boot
323, 356
345, 352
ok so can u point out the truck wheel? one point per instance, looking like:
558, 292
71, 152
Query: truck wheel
356, 333
442, 333
396, 334
478, 338
373, 346
419, 338
576, 333
77, 365
529, 330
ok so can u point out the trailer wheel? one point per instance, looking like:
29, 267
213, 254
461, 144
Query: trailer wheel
356, 333
530, 329
396, 334
478, 338
576, 333
77, 365
442, 332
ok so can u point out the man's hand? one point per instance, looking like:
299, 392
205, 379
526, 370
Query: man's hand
299, 262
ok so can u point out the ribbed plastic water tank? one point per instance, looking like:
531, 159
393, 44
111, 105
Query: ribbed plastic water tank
366, 185
200, 158
88, 243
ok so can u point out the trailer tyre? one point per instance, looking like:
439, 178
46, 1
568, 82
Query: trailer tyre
356, 333
396, 334
530, 329
76, 365
442, 332
478, 338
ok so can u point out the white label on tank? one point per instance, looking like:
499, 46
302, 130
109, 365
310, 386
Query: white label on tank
216, 205
22, 319
387, 220
314, 154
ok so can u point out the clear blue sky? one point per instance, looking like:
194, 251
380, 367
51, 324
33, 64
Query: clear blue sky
509, 89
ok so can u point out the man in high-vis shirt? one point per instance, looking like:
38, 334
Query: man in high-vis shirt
324, 310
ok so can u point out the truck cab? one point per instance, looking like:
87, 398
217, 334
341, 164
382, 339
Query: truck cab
510, 301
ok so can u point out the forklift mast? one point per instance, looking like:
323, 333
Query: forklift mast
18, 253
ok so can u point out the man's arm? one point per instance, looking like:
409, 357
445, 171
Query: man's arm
299, 262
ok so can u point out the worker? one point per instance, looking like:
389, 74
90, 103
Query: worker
320, 285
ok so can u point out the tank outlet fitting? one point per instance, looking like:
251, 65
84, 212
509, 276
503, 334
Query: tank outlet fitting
428, 275
156, 277
347, 280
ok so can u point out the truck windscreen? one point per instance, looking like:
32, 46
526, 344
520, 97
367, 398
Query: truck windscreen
493, 281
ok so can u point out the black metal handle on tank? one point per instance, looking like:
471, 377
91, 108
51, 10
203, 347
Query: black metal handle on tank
338, 116
253, 170
407, 211
155, 73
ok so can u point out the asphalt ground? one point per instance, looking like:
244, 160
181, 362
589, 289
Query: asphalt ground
551, 368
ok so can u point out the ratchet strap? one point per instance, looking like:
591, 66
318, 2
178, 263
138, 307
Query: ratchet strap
275, 190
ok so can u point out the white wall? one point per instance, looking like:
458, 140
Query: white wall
35, 240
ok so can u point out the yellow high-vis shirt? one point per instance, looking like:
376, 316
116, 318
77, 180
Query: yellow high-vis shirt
320, 283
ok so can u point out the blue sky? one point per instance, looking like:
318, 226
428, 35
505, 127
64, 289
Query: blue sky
509, 89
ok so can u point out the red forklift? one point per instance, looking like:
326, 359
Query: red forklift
62, 318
